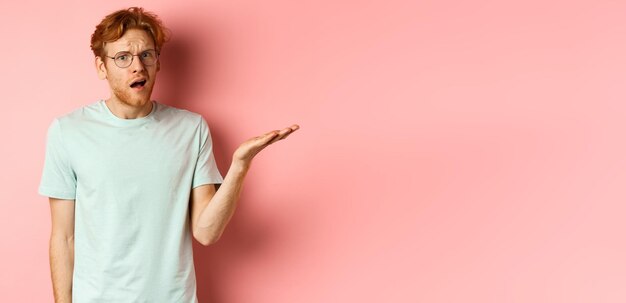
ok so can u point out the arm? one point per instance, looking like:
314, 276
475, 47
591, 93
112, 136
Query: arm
62, 249
210, 210
210, 219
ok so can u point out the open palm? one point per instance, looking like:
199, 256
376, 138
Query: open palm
247, 150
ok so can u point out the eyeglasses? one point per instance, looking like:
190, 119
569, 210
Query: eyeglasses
125, 59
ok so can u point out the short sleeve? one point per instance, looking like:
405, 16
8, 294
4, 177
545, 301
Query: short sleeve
206, 171
58, 179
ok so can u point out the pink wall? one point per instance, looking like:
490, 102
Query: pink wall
449, 151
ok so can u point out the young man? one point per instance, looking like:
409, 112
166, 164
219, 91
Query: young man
131, 180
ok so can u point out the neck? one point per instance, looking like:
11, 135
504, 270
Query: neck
124, 110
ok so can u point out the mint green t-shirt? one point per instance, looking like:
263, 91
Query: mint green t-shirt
130, 180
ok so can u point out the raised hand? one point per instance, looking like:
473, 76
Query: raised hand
247, 150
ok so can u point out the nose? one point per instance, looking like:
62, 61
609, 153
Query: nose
137, 65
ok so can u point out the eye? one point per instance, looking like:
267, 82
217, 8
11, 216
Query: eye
147, 54
122, 57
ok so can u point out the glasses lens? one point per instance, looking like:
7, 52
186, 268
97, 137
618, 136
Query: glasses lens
123, 59
148, 57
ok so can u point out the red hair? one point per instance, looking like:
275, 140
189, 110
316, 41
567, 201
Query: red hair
113, 27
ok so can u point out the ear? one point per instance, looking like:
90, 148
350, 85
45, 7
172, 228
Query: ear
101, 68
158, 65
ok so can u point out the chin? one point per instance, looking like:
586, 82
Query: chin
133, 99
143, 101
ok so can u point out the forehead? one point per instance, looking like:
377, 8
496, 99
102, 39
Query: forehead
132, 40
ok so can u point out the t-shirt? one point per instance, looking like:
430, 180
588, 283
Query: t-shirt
130, 180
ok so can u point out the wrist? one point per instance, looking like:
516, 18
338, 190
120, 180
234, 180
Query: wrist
240, 166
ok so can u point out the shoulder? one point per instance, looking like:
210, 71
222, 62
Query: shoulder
183, 117
68, 120
77, 116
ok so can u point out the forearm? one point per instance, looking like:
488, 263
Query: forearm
62, 267
217, 213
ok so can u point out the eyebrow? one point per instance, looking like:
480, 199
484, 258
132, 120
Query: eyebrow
126, 51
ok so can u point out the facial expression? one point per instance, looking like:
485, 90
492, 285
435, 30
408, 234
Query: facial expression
120, 79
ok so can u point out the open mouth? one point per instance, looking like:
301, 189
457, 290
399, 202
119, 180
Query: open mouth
138, 84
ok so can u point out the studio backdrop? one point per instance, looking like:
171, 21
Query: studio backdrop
449, 151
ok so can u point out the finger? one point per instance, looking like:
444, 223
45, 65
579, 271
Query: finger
265, 139
277, 138
276, 135
272, 140
270, 133
286, 135
290, 130
285, 132
280, 136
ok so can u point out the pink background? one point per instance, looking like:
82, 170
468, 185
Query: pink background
449, 151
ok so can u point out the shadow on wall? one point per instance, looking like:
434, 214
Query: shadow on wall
180, 64
185, 80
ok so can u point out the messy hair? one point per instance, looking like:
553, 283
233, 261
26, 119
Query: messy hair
114, 25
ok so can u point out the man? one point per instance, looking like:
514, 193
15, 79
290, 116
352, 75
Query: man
131, 180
